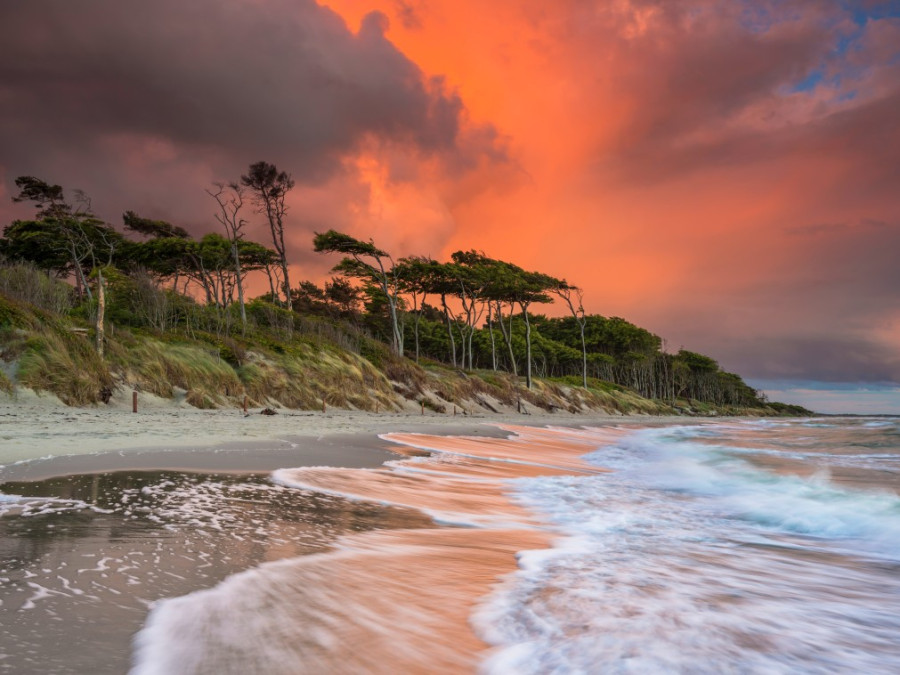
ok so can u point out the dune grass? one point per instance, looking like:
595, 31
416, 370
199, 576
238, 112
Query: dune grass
65, 364
303, 370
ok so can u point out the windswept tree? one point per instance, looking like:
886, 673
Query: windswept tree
442, 282
364, 260
573, 296
501, 292
416, 275
62, 231
154, 229
530, 288
473, 272
70, 228
269, 187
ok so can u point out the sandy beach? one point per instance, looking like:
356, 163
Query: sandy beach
165, 435
178, 541
192, 490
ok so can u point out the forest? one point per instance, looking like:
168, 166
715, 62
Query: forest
472, 313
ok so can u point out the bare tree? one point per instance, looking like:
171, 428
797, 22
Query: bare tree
230, 199
566, 291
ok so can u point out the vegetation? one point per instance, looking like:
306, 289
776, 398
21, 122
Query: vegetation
86, 308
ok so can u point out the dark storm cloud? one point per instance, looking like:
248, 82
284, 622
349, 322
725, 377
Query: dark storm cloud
825, 358
259, 78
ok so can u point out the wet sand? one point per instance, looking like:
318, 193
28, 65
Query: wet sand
165, 503
386, 602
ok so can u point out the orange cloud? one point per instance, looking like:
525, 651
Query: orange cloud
666, 149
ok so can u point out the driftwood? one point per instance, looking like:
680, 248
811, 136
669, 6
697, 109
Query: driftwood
267, 411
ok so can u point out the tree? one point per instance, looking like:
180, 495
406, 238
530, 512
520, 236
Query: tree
531, 287
366, 261
62, 229
88, 241
473, 271
269, 187
566, 291
415, 274
503, 290
155, 229
230, 199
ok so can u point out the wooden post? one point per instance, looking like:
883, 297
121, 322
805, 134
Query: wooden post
423, 407
454, 411
376, 407
245, 404
323, 405
134, 401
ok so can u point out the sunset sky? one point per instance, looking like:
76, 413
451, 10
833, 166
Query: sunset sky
725, 173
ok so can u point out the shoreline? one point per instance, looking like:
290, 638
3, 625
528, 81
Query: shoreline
344, 451
41, 438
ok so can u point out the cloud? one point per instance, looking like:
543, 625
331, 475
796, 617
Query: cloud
143, 104
261, 78
723, 173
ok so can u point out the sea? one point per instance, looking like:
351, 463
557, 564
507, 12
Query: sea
713, 546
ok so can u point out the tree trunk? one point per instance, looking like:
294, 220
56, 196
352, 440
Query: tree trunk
240, 287
583, 357
507, 337
101, 312
449, 329
527, 344
493, 342
416, 332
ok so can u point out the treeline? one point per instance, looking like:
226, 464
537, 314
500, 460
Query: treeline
472, 311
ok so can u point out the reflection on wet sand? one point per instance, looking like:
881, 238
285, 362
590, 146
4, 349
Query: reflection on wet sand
386, 602
82, 557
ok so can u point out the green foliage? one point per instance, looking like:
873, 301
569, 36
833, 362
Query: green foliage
157, 229
338, 242
318, 345
697, 363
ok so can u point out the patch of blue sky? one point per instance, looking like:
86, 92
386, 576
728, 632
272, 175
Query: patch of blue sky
863, 11
868, 398
808, 83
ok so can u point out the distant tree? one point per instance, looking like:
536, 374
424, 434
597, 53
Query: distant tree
530, 288
89, 243
63, 230
343, 296
415, 274
230, 200
308, 298
366, 261
269, 187
155, 229
574, 299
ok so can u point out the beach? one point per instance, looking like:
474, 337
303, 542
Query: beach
175, 540
117, 489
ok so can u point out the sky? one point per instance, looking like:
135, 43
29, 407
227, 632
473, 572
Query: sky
725, 173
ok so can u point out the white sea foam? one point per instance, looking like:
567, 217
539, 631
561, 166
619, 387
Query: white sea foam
689, 559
